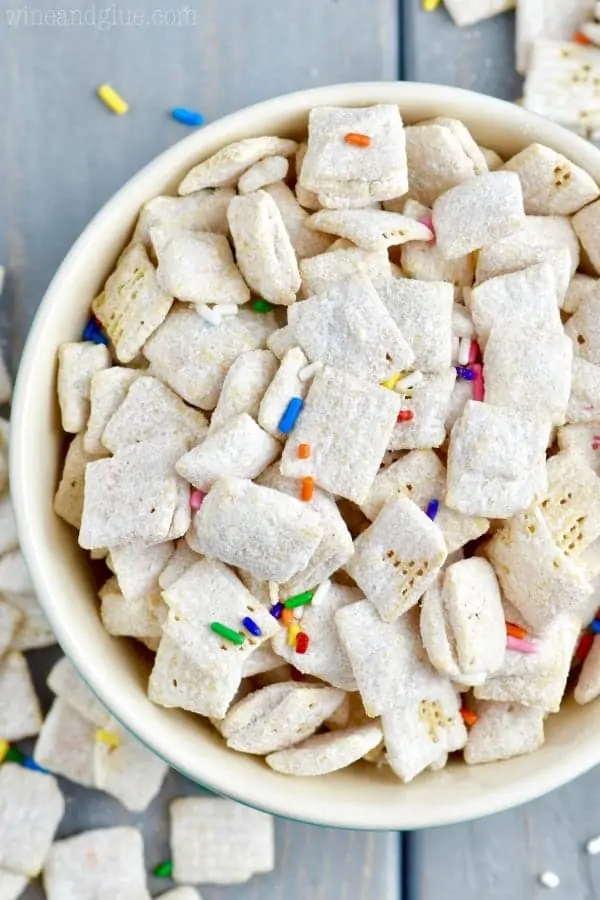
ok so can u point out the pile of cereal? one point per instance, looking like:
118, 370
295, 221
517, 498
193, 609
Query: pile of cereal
336, 426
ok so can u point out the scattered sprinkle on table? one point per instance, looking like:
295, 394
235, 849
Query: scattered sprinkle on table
108, 737
469, 717
357, 140
307, 489
519, 645
549, 879
187, 116
303, 451
432, 508
164, 869
405, 415
290, 416
515, 631
228, 633
197, 499
251, 626
299, 600
262, 306
593, 846
302, 642
112, 99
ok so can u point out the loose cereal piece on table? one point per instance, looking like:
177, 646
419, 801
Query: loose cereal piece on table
202, 211
96, 864
10, 618
137, 568
126, 769
534, 574
582, 440
12, 886
269, 534
149, 410
588, 683
197, 267
244, 387
306, 242
133, 496
584, 329
225, 166
348, 327
324, 753
260, 725
335, 547
14, 576
219, 842
559, 84
68, 686
281, 341
571, 506
31, 807
262, 173
421, 421
325, 657
263, 249
584, 403
526, 299
462, 622
33, 630
342, 168
77, 363
9, 538
477, 213
66, 744
133, 305
536, 678
552, 185
420, 731
20, 713
397, 557
370, 229
437, 161
504, 730
544, 22
343, 461
240, 448
530, 370
580, 288
140, 616
423, 313
320, 272
285, 385
108, 390
181, 560
496, 460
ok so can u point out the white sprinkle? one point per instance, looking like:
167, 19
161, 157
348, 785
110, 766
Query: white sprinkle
209, 313
227, 309
273, 593
320, 593
549, 879
463, 351
309, 371
455, 344
298, 612
462, 324
409, 382
593, 846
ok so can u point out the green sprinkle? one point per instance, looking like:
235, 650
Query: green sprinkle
13, 754
299, 600
262, 306
164, 869
234, 636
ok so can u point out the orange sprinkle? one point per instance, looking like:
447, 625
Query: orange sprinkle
308, 487
405, 415
357, 140
515, 631
303, 451
580, 38
287, 617
470, 718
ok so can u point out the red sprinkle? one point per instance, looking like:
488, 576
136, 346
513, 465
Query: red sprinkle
469, 718
584, 646
196, 499
296, 675
357, 140
474, 352
302, 642
405, 415
515, 631
580, 38
478, 382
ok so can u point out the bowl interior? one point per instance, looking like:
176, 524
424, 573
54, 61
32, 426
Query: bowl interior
116, 670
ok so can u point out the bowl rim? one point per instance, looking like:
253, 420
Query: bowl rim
478, 802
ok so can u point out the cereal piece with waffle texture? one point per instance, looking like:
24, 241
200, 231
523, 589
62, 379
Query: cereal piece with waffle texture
224, 167
582, 440
20, 713
423, 313
504, 730
108, 390
552, 185
204, 210
262, 173
285, 385
370, 229
77, 363
325, 753
244, 387
571, 506
68, 501
320, 272
584, 330
437, 161
588, 682
306, 242
31, 807
587, 228
584, 402
423, 412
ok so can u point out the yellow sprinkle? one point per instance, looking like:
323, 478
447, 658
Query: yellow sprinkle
392, 381
114, 101
4, 746
108, 737
293, 632
431, 5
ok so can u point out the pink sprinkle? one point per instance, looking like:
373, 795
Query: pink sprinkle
427, 221
196, 499
478, 382
521, 646
474, 352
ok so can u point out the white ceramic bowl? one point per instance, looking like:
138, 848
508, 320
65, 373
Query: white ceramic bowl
360, 797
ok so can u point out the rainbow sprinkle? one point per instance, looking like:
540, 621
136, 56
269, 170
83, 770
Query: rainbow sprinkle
251, 626
520, 645
228, 633
299, 600
290, 416
432, 508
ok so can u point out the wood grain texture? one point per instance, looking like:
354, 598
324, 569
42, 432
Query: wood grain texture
62, 155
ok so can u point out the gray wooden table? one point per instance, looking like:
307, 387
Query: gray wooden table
62, 155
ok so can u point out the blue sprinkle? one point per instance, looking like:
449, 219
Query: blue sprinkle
276, 610
251, 626
432, 509
30, 763
187, 116
465, 373
596, 626
93, 332
290, 416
